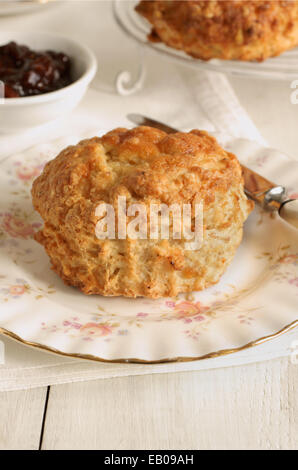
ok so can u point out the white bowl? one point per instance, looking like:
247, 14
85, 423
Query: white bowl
18, 114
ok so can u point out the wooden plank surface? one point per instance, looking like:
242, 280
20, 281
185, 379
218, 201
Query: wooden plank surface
247, 407
21, 416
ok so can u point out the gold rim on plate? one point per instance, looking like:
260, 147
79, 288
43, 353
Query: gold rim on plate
90, 357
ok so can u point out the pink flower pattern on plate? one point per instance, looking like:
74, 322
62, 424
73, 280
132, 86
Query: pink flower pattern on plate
15, 291
96, 329
187, 309
16, 227
27, 174
294, 281
289, 259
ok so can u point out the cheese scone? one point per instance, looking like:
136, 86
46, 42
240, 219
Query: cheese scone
148, 167
250, 30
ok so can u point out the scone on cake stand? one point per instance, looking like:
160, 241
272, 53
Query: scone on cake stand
249, 38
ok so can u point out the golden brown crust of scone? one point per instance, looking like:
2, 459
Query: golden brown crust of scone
147, 166
250, 30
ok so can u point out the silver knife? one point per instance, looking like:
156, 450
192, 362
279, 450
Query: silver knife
267, 194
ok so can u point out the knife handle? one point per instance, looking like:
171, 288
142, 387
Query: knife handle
289, 212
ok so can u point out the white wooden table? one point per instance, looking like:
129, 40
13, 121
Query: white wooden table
252, 406
245, 407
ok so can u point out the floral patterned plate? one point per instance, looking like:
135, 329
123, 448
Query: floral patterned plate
255, 300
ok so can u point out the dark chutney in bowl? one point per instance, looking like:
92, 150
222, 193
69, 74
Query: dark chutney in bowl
25, 72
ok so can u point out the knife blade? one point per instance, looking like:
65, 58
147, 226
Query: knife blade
264, 192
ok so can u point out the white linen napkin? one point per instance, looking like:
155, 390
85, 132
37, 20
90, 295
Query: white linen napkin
205, 100
27, 368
